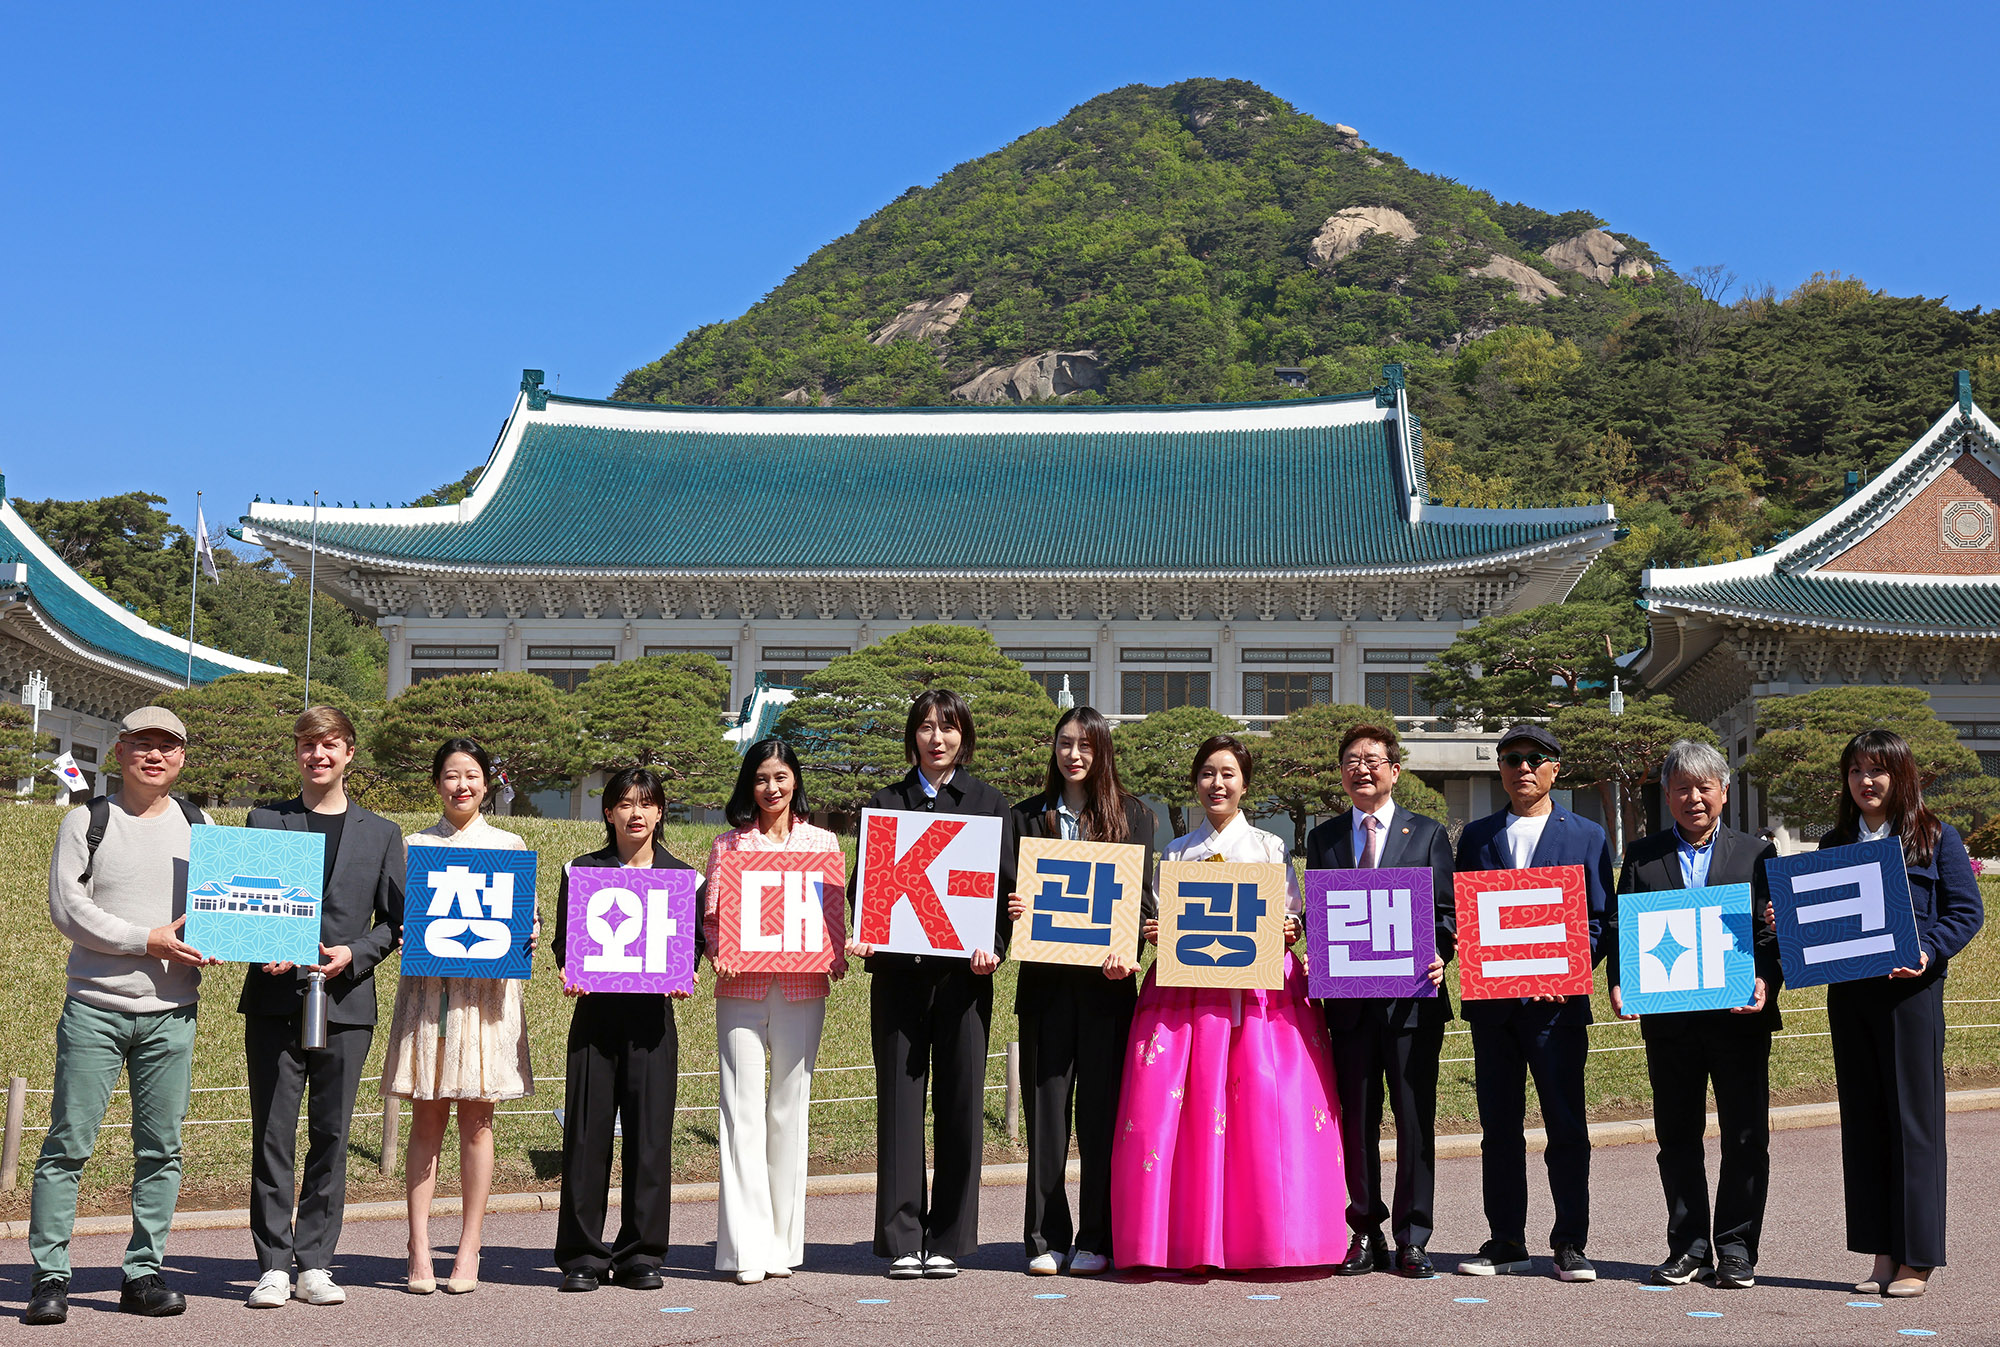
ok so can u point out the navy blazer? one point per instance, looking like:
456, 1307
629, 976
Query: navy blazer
1413, 842
1566, 840
1945, 896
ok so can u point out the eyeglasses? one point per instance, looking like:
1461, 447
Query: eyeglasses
1363, 764
145, 750
1534, 760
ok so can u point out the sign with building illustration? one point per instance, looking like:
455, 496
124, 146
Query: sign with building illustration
1222, 924
1083, 901
1844, 913
468, 912
1686, 949
1523, 933
630, 930
928, 882
253, 894
1369, 932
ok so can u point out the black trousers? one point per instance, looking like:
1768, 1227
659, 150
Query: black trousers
1505, 1053
1681, 1066
1074, 1024
930, 1018
280, 1072
1888, 1065
623, 1066
1371, 1063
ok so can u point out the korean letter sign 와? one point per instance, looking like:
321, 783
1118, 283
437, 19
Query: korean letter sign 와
1523, 933
1083, 901
253, 894
468, 912
928, 882
1844, 913
779, 911
1369, 932
629, 930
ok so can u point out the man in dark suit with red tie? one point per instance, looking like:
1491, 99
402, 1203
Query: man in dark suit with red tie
1387, 1046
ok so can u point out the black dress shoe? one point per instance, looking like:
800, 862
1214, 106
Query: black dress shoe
583, 1279
50, 1302
149, 1296
1412, 1261
1679, 1270
1733, 1273
640, 1278
1365, 1254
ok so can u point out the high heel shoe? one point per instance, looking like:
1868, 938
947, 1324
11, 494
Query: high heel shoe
422, 1286
459, 1286
1909, 1288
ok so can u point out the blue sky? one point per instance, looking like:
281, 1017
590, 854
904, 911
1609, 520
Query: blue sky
262, 249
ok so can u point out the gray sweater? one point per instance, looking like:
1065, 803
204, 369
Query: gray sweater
140, 882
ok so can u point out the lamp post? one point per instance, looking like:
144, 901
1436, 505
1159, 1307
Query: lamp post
1618, 791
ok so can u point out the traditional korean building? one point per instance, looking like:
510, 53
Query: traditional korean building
1898, 585
100, 659
1254, 558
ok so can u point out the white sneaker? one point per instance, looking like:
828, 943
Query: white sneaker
316, 1288
1084, 1263
1044, 1265
779, 1272
749, 1277
273, 1289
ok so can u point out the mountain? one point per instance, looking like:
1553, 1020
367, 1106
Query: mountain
1177, 244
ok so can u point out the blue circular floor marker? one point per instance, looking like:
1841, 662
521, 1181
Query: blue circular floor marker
1916, 1332
1052, 1295
1704, 1314
1864, 1304
872, 1300
676, 1309
1262, 1297
1469, 1300
1656, 1288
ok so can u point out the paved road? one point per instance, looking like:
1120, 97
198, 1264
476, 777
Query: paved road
1802, 1296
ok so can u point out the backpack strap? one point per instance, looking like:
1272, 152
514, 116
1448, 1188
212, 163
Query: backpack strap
100, 821
191, 811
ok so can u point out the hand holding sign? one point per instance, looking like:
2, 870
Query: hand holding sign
779, 911
1523, 933
1844, 913
928, 882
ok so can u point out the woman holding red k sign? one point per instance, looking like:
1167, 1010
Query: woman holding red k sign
933, 1013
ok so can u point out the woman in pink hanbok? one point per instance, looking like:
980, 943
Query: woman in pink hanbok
1228, 1147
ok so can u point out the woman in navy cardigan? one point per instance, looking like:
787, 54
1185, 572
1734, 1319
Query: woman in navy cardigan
1888, 1033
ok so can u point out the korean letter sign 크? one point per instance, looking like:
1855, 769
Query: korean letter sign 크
1370, 932
928, 882
253, 894
1844, 913
1083, 901
778, 911
468, 912
1523, 933
1222, 924
630, 930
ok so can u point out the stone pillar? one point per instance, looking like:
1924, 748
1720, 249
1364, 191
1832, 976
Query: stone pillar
1104, 672
1227, 695
399, 653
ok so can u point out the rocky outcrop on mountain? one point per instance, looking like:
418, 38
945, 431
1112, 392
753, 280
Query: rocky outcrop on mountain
1343, 231
928, 320
1530, 286
803, 396
1597, 256
1052, 374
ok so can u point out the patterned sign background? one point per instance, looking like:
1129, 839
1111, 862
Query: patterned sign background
297, 861
1843, 914
477, 925
928, 882
1222, 924
1686, 949
642, 936
1379, 924
822, 884
1083, 901
1539, 947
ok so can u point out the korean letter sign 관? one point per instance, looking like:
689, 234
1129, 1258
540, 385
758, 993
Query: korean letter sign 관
1222, 924
1369, 932
1523, 933
928, 882
630, 930
779, 911
1083, 901
468, 912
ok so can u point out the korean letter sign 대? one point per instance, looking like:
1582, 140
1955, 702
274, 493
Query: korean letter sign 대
779, 911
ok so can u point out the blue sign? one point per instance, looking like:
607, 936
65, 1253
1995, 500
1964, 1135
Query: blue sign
254, 894
1843, 914
468, 912
1686, 949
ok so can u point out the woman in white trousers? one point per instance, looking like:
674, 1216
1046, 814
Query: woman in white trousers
760, 1217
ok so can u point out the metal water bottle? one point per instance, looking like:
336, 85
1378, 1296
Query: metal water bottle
312, 1027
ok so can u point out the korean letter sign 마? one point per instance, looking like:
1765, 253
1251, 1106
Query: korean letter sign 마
1686, 949
468, 912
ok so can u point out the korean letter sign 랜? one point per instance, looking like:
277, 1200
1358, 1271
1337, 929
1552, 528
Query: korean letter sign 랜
928, 882
1369, 932
1844, 913
779, 911
253, 894
468, 912
1523, 933
1083, 901
1222, 924
630, 930
1686, 949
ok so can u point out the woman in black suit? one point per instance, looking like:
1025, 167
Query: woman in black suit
927, 1013
1888, 1033
1075, 1020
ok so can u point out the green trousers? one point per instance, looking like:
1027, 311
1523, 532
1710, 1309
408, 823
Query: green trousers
93, 1046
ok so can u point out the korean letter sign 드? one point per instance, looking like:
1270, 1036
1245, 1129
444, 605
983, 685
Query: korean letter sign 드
1686, 949
253, 894
928, 882
1523, 933
1083, 901
630, 930
779, 911
1222, 924
1844, 913
1369, 933
468, 912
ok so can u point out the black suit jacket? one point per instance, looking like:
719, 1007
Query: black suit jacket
1653, 865
361, 909
1032, 819
606, 858
1413, 841
963, 794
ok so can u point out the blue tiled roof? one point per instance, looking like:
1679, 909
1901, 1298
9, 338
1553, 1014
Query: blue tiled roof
1843, 601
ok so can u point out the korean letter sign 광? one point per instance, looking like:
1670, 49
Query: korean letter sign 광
1222, 924
779, 911
928, 882
468, 912
1369, 932
630, 930
1523, 933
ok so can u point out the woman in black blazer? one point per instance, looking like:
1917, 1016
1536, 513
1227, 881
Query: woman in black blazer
927, 1014
1075, 1020
1888, 1033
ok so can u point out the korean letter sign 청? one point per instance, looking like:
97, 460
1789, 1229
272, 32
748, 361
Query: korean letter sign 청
1083, 901
1844, 913
1222, 924
1686, 949
253, 894
1523, 933
630, 930
468, 912
928, 882
779, 911
1369, 932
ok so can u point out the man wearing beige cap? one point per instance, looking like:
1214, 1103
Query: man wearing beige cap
118, 893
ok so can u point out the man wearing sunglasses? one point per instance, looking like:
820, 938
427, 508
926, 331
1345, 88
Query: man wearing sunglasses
1542, 1035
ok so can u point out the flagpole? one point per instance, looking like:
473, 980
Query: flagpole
312, 580
194, 579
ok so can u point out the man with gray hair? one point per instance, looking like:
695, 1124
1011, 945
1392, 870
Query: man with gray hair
1686, 1052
